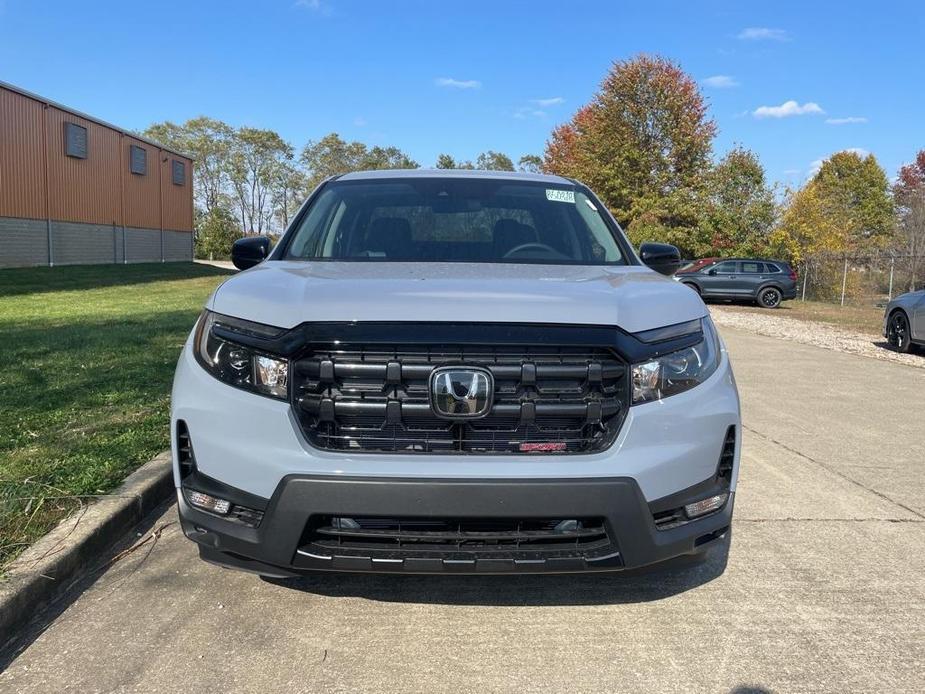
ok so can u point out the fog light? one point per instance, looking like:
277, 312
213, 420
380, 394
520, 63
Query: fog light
705, 506
208, 503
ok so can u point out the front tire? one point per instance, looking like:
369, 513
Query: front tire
769, 298
898, 334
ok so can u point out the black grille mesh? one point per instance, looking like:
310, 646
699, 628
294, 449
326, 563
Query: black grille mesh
457, 538
375, 398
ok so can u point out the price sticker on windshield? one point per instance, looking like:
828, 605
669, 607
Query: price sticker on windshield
560, 195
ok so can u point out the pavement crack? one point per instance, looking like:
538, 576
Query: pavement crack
834, 471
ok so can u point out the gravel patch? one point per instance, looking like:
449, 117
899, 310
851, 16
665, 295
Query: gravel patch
813, 333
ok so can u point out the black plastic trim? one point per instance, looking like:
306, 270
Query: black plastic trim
299, 339
273, 547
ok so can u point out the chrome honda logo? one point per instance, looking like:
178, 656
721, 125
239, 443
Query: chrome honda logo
461, 392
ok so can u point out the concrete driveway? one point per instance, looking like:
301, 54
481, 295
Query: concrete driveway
824, 588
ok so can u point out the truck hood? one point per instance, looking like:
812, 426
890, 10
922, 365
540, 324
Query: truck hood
287, 293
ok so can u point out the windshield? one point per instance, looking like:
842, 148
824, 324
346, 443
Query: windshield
454, 220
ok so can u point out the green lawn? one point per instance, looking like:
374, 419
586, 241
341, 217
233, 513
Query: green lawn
87, 356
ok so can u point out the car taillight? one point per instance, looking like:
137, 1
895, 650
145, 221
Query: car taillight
793, 274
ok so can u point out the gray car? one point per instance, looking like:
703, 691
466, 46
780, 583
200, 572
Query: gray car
766, 282
904, 321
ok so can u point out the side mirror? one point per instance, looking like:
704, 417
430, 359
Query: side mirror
661, 257
251, 251
712, 272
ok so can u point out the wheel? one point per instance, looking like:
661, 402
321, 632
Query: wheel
897, 333
769, 298
691, 285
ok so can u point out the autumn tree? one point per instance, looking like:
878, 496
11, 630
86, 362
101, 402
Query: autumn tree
909, 195
845, 208
857, 189
643, 144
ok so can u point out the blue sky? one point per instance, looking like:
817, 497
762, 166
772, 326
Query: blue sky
794, 81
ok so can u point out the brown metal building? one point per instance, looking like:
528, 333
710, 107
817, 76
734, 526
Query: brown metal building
74, 189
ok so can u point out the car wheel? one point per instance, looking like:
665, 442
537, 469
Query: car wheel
769, 298
897, 333
691, 285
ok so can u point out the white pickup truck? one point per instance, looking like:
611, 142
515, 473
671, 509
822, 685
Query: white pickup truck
453, 372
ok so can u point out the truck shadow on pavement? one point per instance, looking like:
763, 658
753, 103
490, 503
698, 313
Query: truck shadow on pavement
639, 585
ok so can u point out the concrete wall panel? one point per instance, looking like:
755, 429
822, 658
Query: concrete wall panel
79, 244
142, 245
24, 242
178, 245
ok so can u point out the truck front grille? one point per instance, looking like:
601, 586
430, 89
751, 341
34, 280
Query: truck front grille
460, 539
375, 398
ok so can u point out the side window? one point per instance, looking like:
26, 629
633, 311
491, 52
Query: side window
752, 268
138, 160
178, 172
771, 267
75, 140
725, 267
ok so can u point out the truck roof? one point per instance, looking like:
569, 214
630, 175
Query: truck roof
454, 173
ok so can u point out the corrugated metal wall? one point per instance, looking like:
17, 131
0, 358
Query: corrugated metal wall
22, 167
142, 196
98, 190
83, 190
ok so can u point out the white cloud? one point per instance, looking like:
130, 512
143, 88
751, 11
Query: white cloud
720, 82
457, 84
846, 121
553, 101
528, 112
787, 109
763, 34
359, 121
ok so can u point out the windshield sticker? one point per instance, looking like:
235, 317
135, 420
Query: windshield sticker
560, 195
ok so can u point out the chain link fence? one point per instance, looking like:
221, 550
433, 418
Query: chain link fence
859, 280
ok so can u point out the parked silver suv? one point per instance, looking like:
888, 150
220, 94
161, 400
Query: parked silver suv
446, 371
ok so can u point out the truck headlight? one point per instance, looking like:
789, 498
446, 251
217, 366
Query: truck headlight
236, 364
678, 371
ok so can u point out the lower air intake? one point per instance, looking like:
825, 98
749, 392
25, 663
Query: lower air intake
449, 539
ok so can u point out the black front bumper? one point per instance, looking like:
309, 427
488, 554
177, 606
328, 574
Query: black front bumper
276, 547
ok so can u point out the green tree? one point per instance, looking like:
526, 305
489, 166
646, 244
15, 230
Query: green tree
845, 208
741, 210
445, 161
209, 142
494, 161
287, 188
857, 189
530, 163
644, 144
254, 164
216, 231
332, 155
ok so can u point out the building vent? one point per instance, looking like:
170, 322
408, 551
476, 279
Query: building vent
138, 160
178, 172
75, 138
